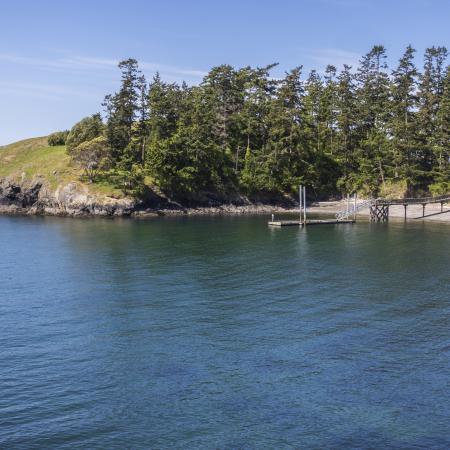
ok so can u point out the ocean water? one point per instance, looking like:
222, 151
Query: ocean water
220, 333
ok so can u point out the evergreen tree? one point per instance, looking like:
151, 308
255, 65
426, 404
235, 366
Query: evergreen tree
430, 93
287, 155
121, 112
259, 94
318, 112
441, 173
224, 91
142, 128
373, 114
403, 120
313, 112
346, 136
329, 109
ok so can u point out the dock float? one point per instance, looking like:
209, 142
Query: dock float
293, 223
302, 221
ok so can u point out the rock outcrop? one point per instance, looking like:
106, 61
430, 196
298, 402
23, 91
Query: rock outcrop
73, 199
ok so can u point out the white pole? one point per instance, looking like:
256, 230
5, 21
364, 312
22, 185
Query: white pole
348, 205
300, 201
354, 206
304, 204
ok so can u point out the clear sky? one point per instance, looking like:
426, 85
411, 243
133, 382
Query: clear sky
58, 58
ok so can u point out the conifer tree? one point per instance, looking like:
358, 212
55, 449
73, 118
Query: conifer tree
121, 112
430, 93
313, 113
329, 109
259, 93
346, 135
403, 120
284, 150
373, 114
441, 173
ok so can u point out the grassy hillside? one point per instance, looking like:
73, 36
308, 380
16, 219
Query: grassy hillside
35, 158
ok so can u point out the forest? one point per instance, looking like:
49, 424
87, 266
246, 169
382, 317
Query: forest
369, 129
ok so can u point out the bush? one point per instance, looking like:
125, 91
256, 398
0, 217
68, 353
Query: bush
92, 156
87, 129
394, 189
58, 138
440, 188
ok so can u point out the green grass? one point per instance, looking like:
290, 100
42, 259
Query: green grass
34, 158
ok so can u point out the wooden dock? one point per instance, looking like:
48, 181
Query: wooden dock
379, 210
297, 223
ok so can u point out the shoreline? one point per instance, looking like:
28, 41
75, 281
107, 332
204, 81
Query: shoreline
414, 212
36, 198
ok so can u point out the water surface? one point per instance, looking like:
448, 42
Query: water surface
222, 333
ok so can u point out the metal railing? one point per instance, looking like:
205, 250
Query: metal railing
352, 210
414, 201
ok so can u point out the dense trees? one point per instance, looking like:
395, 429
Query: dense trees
242, 130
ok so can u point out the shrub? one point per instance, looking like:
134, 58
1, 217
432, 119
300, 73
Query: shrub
85, 130
92, 156
58, 138
394, 189
440, 188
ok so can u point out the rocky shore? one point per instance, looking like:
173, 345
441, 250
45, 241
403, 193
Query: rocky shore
36, 198
75, 200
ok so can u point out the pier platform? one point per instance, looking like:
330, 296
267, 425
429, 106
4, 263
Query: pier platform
292, 223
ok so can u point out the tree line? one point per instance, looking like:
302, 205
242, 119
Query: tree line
367, 129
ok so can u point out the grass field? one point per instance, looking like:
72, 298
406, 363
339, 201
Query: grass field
32, 158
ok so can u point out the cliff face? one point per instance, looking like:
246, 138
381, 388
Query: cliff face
67, 200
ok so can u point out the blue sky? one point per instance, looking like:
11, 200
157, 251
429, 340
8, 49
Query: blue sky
58, 58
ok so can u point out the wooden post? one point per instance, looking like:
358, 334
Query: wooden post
405, 206
423, 209
379, 213
372, 213
348, 205
442, 206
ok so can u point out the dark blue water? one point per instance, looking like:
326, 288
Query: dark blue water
222, 333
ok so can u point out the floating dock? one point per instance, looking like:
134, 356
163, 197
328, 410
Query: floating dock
297, 223
302, 221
